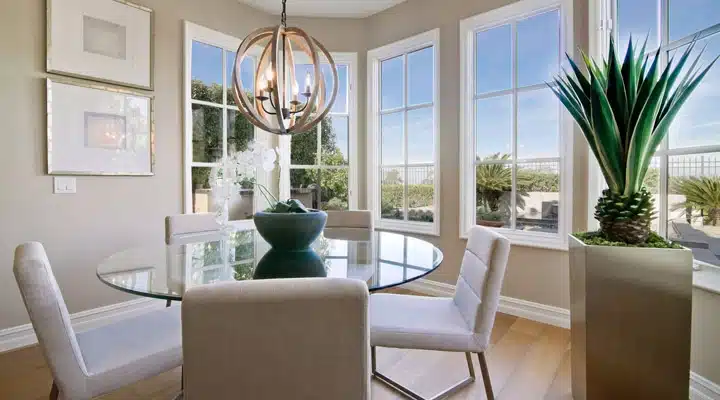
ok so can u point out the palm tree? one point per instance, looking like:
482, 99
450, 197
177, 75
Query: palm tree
494, 185
702, 194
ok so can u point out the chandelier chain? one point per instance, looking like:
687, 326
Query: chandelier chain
283, 15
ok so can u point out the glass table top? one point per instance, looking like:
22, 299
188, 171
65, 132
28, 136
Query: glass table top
382, 259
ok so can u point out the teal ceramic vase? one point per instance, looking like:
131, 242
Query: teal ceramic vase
290, 231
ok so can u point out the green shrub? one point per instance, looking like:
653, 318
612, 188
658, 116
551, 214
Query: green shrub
418, 195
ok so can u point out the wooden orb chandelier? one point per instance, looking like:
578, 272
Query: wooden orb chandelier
275, 106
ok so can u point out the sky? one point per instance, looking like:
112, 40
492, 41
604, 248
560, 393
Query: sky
538, 55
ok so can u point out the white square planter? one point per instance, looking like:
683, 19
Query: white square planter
630, 322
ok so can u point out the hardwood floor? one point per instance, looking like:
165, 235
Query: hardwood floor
527, 361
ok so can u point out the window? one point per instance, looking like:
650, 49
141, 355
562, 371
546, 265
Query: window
321, 169
213, 125
685, 174
516, 142
403, 179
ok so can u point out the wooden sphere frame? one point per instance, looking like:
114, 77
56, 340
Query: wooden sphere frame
317, 107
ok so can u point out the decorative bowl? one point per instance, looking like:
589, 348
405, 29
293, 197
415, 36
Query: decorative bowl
290, 231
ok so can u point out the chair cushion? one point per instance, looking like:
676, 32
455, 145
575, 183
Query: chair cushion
132, 349
416, 322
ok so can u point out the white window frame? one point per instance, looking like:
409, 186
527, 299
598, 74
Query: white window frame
194, 32
375, 57
340, 58
603, 14
468, 28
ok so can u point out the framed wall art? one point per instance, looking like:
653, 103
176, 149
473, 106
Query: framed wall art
98, 130
103, 40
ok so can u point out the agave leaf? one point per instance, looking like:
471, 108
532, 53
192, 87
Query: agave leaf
644, 92
676, 72
608, 137
579, 93
581, 79
637, 153
617, 97
630, 74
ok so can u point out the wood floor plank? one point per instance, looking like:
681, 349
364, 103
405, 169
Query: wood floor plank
524, 357
561, 385
532, 379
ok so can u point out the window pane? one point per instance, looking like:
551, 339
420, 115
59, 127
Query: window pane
303, 148
392, 142
493, 126
305, 186
420, 76
247, 72
392, 83
240, 132
206, 71
334, 189
421, 193
392, 192
538, 124
201, 199
694, 204
340, 105
538, 196
335, 140
493, 60
698, 122
207, 145
538, 48
639, 19
420, 136
690, 16
493, 190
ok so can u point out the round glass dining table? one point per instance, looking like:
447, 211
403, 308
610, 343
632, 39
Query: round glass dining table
382, 259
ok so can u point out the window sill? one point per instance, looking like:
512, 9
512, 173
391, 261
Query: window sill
707, 277
531, 239
422, 228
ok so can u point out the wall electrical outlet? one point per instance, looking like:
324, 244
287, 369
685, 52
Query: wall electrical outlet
64, 185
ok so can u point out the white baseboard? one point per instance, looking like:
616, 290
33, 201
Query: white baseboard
703, 389
520, 308
24, 335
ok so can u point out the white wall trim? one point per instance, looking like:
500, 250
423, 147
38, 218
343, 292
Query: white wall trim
24, 335
702, 388
537, 312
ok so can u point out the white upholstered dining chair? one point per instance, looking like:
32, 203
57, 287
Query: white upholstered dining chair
97, 361
352, 225
179, 225
277, 339
458, 324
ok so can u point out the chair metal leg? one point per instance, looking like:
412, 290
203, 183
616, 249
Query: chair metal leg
414, 396
167, 303
54, 392
486, 376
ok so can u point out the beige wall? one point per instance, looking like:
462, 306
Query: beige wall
533, 274
705, 356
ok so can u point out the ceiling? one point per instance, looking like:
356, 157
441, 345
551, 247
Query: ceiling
325, 8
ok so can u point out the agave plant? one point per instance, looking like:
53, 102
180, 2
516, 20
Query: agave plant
701, 194
625, 110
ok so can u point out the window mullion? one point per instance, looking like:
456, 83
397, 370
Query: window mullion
513, 189
406, 201
224, 109
664, 19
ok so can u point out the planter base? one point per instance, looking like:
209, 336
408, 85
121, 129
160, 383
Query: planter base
630, 322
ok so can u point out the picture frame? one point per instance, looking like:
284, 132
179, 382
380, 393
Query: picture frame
108, 41
99, 130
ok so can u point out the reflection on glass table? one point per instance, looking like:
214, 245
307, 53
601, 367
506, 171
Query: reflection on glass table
382, 259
